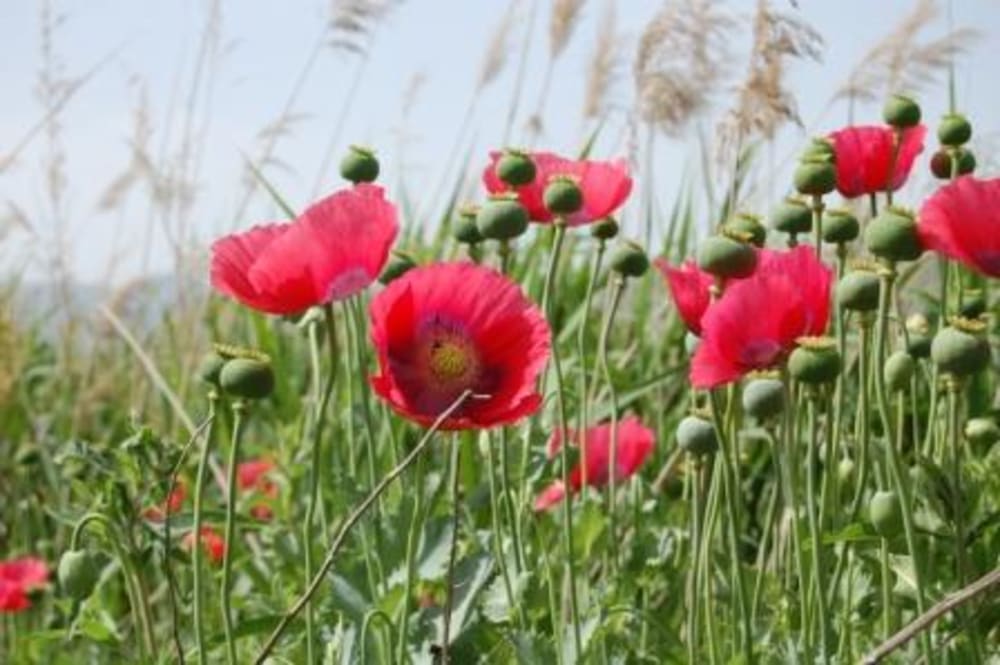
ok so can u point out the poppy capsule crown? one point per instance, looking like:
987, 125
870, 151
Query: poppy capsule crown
447, 328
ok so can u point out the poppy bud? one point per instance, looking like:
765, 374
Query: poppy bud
901, 112
399, 263
815, 361
898, 370
249, 378
954, 130
563, 196
886, 513
845, 470
359, 165
502, 218
77, 573
764, 397
961, 348
815, 177
918, 330
630, 260
973, 303
892, 235
696, 435
819, 149
839, 226
726, 256
793, 216
209, 368
749, 225
604, 229
464, 228
516, 168
858, 291
982, 431
941, 162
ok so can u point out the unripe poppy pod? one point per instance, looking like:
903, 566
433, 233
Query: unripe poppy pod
563, 196
696, 435
858, 291
918, 329
764, 397
892, 235
954, 130
941, 162
464, 228
516, 168
815, 177
973, 303
840, 226
398, 265
209, 368
249, 378
604, 229
815, 361
898, 370
750, 226
886, 513
502, 218
845, 470
961, 348
793, 216
359, 165
725, 256
901, 112
819, 149
630, 260
77, 573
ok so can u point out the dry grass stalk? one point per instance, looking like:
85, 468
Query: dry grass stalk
565, 16
352, 23
681, 62
604, 64
495, 57
901, 62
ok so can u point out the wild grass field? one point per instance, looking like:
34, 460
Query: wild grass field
668, 373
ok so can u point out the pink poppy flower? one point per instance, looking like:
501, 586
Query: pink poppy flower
867, 154
634, 444
334, 250
253, 477
212, 542
17, 578
689, 286
172, 504
605, 185
755, 323
962, 221
442, 329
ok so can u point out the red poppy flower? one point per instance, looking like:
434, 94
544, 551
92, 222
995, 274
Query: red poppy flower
450, 327
689, 286
755, 323
252, 476
335, 249
634, 443
17, 578
172, 504
605, 185
867, 154
962, 221
211, 541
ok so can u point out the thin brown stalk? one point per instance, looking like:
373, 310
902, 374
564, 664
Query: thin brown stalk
604, 64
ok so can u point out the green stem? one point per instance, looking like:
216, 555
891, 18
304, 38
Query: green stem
196, 550
789, 465
618, 289
581, 336
498, 541
456, 498
694, 571
366, 626
814, 528
817, 215
412, 543
239, 409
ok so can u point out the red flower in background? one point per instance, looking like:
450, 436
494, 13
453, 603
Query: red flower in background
689, 286
755, 323
334, 250
962, 221
866, 155
605, 185
634, 443
17, 578
211, 541
446, 328
253, 477
172, 504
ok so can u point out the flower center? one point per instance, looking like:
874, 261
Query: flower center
449, 359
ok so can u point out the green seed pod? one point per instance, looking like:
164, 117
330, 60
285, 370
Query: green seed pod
398, 265
845, 470
901, 112
815, 361
961, 348
941, 162
918, 330
819, 149
696, 436
954, 130
359, 165
815, 177
724, 256
604, 229
78, 574
629, 260
973, 303
858, 291
793, 216
892, 235
516, 168
749, 225
982, 432
886, 514
764, 398
898, 370
562, 196
248, 378
464, 228
839, 226
502, 218
209, 368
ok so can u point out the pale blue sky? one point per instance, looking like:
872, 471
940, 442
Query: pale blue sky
153, 46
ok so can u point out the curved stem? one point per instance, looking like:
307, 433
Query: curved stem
239, 409
349, 524
366, 626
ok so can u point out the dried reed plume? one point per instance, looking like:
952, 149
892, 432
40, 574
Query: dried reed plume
763, 102
681, 61
565, 16
901, 62
352, 23
604, 64
495, 57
